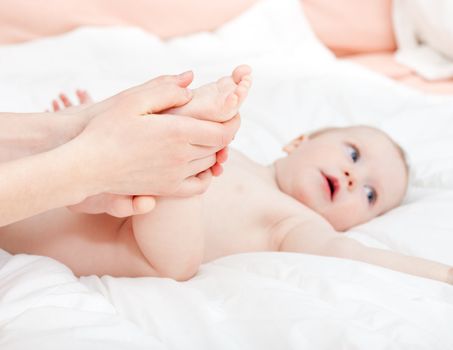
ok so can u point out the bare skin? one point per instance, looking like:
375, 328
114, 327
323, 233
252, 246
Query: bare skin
119, 145
224, 97
327, 183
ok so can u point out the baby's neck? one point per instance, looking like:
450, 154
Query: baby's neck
270, 173
273, 173
267, 173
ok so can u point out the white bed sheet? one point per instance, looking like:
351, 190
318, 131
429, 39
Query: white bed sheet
247, 301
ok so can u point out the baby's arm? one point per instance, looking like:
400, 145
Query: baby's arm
171, 237
323, 240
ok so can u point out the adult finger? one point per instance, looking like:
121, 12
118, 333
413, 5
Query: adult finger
157, 99
182, 80
222, 155
119, 206
207, 133
217, 169
143, 204
198, 152
194, 185
199, 165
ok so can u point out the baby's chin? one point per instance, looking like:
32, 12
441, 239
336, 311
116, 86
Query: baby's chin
340, 223
335, 218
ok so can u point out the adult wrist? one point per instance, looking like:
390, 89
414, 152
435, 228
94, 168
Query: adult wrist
70, 125
85, 168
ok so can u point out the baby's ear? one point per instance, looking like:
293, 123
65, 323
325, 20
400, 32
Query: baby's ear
290, 147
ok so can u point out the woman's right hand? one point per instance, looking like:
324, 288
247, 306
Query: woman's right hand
126, 148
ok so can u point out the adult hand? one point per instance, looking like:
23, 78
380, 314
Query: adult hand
127, 205
128, 149
117, 205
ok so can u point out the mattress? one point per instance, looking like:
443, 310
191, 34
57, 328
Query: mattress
254, 300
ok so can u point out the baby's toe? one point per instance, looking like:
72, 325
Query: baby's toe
231, 102
242, 89
241, 71
247, 80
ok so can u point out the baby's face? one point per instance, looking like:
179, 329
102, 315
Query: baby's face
348, 175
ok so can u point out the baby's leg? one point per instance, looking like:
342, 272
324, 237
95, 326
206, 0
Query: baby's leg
218, 101
171, 237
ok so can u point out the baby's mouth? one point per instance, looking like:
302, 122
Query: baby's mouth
333, 185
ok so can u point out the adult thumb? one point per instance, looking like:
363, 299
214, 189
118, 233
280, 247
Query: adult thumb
143, 204
160, 98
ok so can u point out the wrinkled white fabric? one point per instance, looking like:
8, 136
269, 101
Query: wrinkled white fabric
424, 34
249, 301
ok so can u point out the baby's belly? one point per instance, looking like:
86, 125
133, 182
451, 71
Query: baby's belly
223, 242
237, 227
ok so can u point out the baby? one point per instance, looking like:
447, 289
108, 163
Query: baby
330, 181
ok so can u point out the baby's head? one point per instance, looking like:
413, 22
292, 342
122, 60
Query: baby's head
348, 175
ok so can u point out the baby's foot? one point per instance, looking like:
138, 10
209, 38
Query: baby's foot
218, 101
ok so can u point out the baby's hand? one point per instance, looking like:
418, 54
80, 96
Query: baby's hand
450, 276
62, 102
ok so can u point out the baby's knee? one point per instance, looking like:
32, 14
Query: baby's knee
180, 273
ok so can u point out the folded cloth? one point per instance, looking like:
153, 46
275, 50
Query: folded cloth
424, 34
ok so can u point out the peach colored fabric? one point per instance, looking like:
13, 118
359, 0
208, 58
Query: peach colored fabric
386, 64
359, 29
22, 20
352, 26
362, 32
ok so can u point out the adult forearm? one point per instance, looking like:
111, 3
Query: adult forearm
31, 185
24, 134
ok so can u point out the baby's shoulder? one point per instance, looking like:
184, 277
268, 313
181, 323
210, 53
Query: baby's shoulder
292, 214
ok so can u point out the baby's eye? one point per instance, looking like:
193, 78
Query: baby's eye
371, 194
353, 153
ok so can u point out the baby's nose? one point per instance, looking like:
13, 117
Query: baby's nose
350, 181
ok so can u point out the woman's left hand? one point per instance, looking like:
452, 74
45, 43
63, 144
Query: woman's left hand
115, 205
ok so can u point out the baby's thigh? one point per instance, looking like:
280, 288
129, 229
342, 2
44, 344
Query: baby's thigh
76, 240
171, 214
171, 237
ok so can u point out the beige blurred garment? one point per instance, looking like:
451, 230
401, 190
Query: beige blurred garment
23, 20
350, 27
424, 33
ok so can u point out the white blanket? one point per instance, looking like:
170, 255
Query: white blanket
247, 301
424, 33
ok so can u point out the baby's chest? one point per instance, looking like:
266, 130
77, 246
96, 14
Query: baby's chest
239, 217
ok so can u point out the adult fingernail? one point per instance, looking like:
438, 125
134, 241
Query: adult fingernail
185, 74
